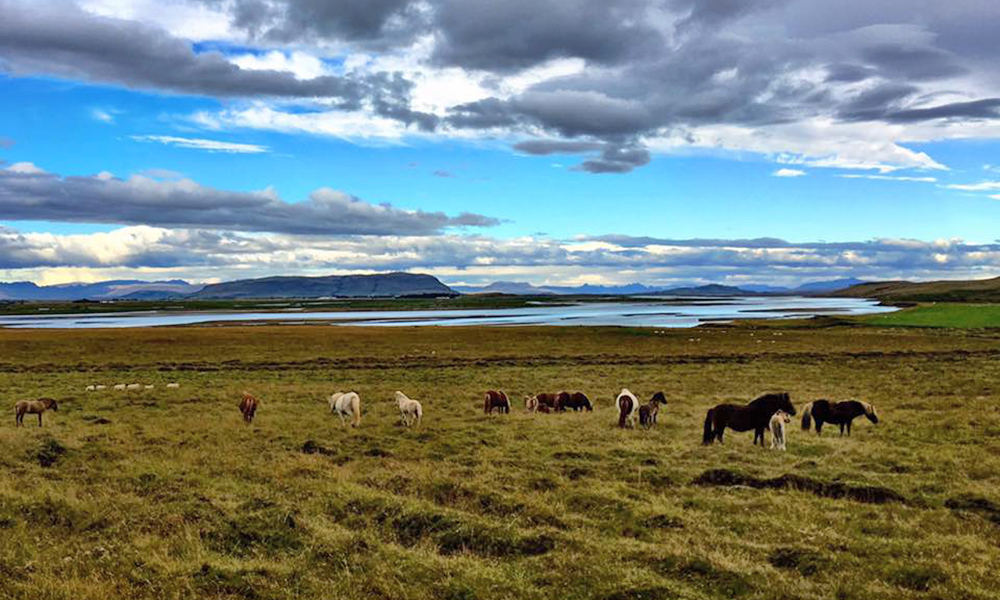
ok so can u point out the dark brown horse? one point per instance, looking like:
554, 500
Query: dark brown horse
248, 406
496, 399
549, 401
576, 401
755, 415
648, 411
35, 407
838, 413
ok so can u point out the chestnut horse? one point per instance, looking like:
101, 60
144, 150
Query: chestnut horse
755, 415
839, 413
34, 407
248, 406
496, 399
576, 401
648, 411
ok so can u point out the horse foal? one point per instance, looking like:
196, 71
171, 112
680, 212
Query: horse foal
777, 427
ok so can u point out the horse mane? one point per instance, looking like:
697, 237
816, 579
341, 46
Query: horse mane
869, 409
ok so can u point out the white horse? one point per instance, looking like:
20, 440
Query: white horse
346, 404
627, 404
777, 426
409, 410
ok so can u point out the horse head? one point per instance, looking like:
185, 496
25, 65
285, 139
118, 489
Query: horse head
53, 405
870, 412
785, 403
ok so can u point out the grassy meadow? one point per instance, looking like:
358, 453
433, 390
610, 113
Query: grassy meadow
948, 315
166, 494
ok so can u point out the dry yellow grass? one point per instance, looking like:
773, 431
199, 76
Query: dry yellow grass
165, 494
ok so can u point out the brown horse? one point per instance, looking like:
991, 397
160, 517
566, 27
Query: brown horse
755, 415
248, 406
496, 399
549, 401
34, 407
577, 401
648, 411
839, 413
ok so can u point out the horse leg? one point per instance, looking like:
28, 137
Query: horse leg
848, 429
39, 419
819, 427
842, 430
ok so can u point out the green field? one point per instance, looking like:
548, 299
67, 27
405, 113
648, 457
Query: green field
166, 494
961, 316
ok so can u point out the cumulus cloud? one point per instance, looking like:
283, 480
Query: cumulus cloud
202, 144
28, 193
198, 255
789, 173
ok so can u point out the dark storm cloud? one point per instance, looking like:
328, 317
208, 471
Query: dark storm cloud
652, 67
59, 39
184, 203
546, 147
988, 108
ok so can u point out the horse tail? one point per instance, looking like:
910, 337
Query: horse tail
624, 408
486, 404
356, 409
708, 436
807, 416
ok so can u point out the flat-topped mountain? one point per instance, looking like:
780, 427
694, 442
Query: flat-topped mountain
388, 285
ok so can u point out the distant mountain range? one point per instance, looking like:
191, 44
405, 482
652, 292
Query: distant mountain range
104, 290
369, 286
526, 289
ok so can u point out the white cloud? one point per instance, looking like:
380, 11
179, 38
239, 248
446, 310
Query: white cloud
788, 173
202, 144
25, 168
301, 64
102, 115
890, 178
982, 186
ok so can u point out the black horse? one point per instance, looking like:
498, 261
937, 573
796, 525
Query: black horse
838, 413
755, 415
576, 401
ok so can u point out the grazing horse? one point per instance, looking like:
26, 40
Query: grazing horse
346, 404
248, 406
531, 403
549, 401
648, 411
627, 404
498, 400
34, 407
409, 410
755, 415
576, 400
839, 413
777, 427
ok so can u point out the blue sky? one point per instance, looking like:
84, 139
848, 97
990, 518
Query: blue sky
113, 164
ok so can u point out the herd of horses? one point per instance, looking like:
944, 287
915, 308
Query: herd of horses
770, 412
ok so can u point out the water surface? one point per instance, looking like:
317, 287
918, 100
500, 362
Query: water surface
668, 312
